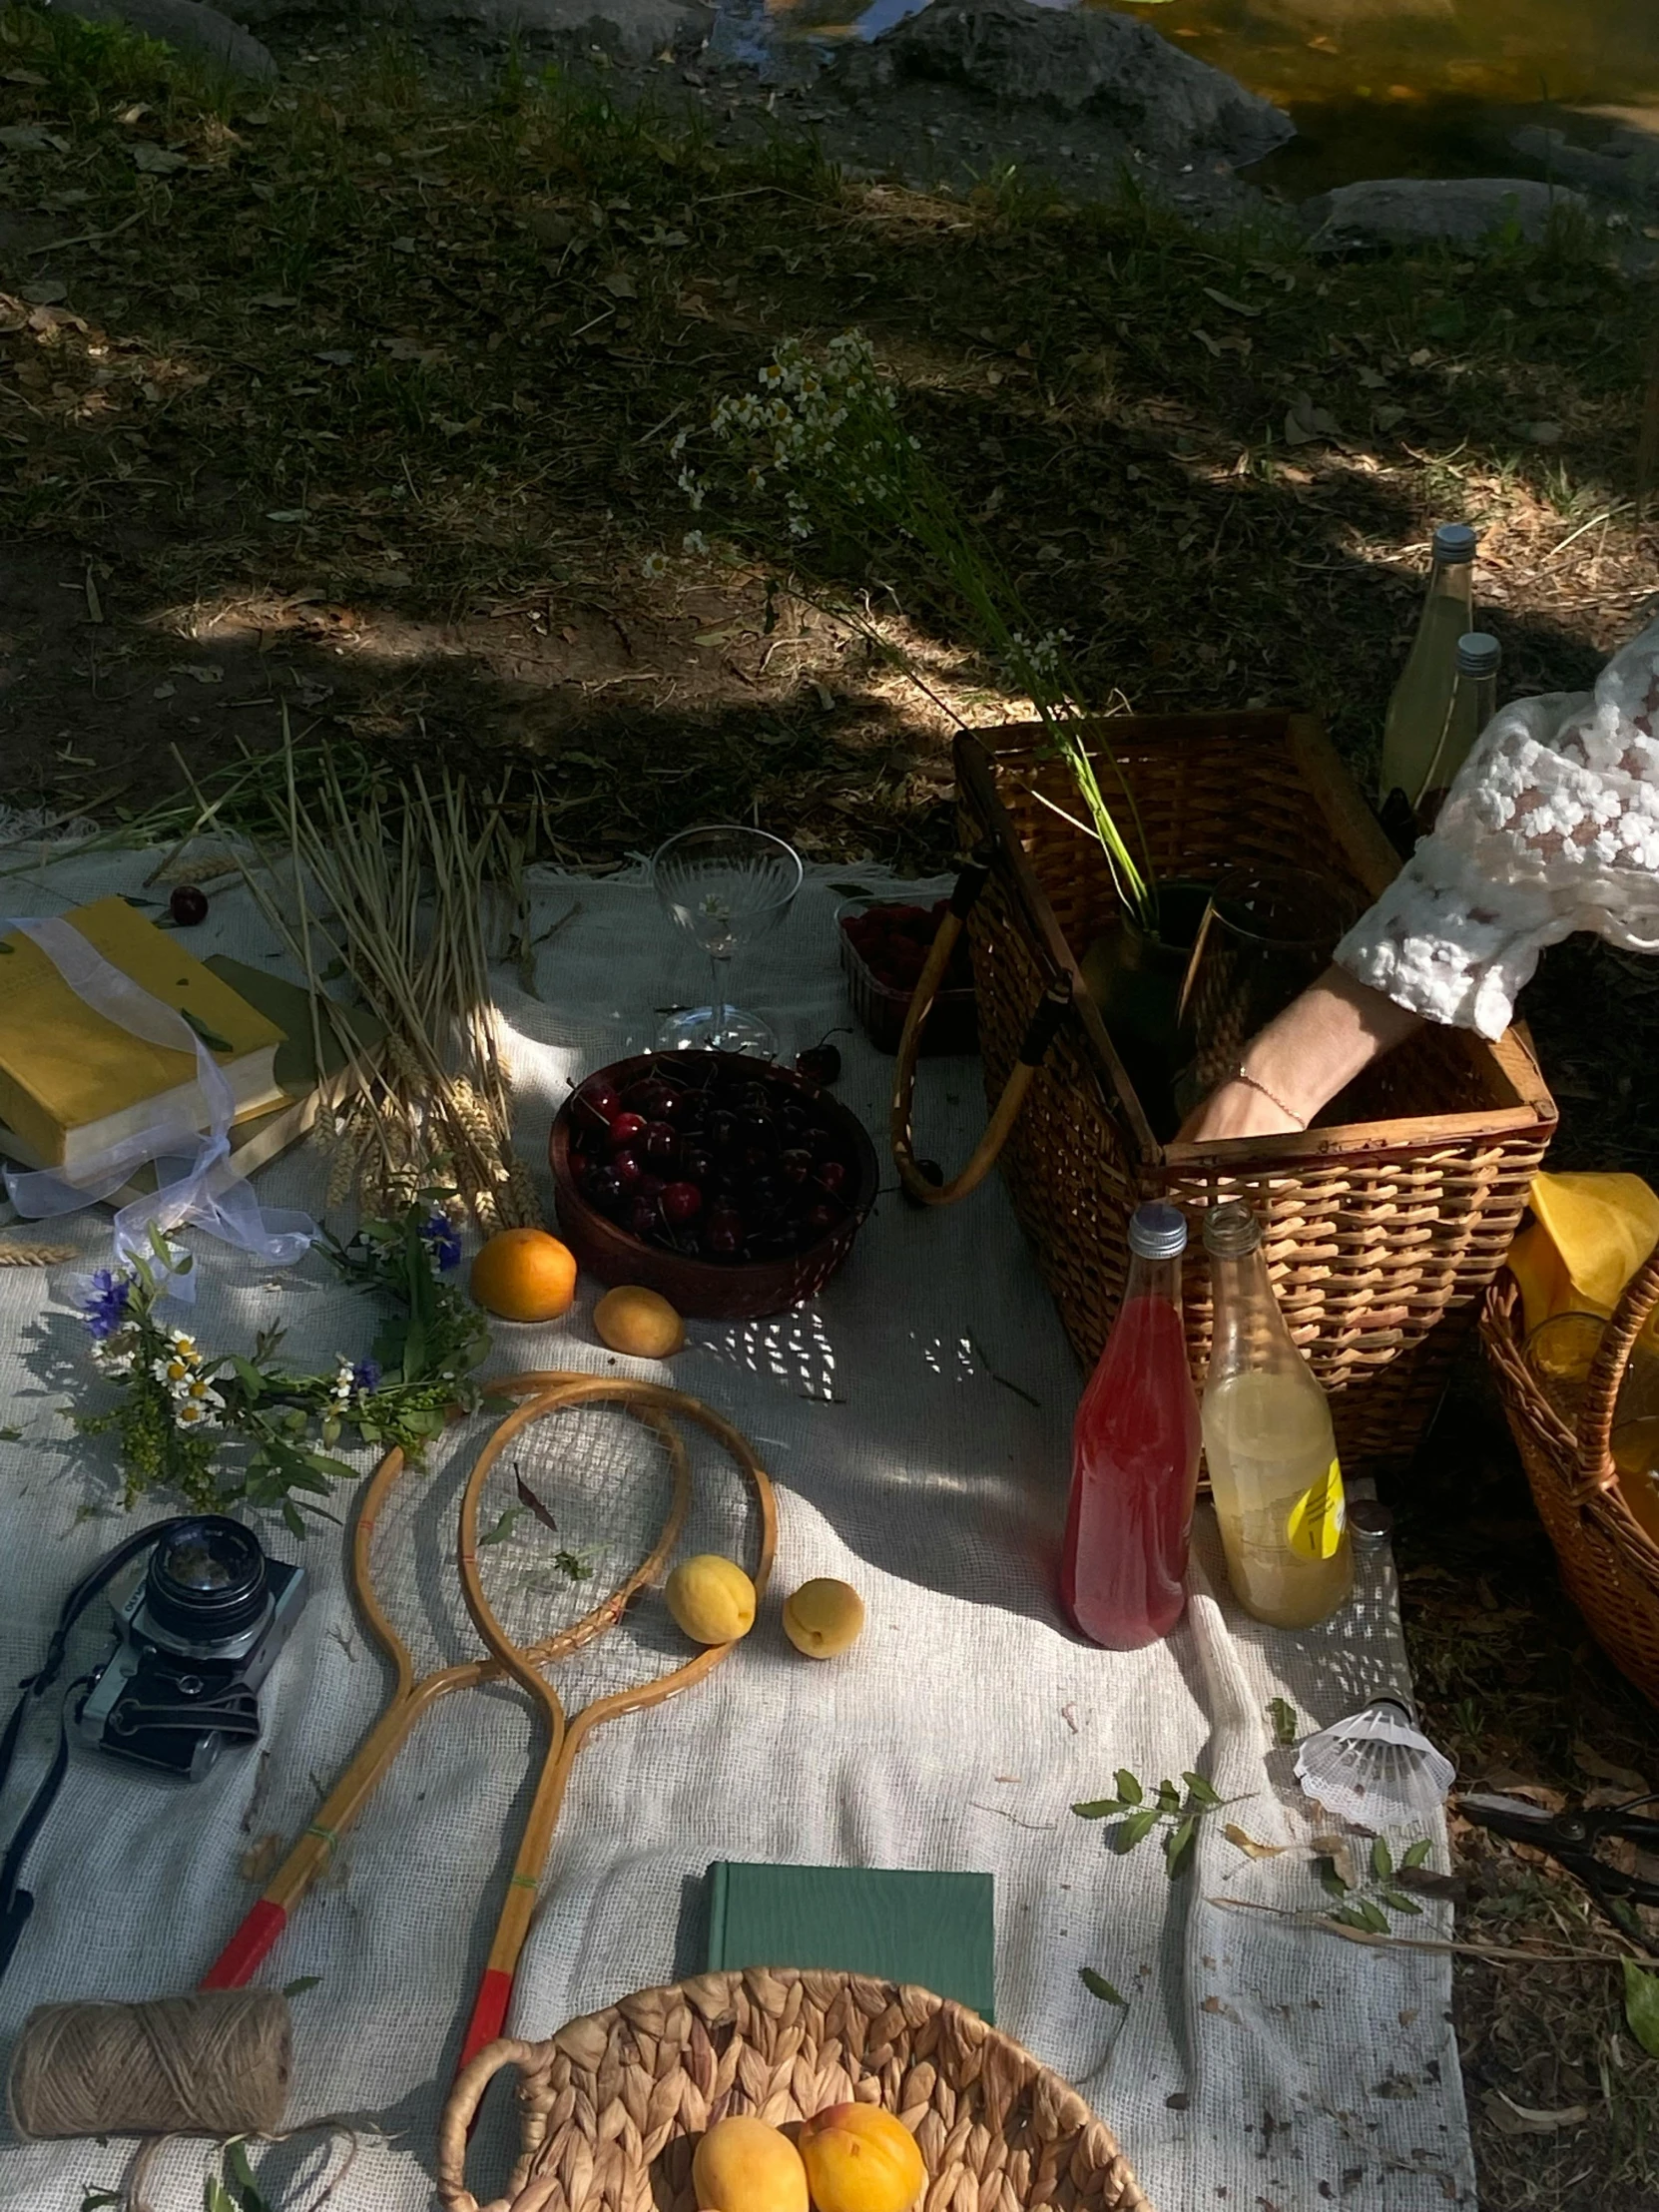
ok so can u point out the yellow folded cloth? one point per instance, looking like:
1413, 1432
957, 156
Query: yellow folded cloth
1591, 1235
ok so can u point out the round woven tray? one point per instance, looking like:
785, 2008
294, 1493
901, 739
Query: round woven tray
614, 2103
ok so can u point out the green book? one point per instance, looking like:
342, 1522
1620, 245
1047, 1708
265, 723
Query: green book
935, 1930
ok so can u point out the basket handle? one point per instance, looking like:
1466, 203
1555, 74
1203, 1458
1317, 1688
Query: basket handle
1050, 1012
461, 2116
1595, 1471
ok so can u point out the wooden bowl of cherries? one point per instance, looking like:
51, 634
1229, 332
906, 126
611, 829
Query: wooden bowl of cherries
733, 1186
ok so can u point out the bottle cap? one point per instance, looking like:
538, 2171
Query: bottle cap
1478, 654
1157, 1232
1230, 1230
1453, 542
1369, 1520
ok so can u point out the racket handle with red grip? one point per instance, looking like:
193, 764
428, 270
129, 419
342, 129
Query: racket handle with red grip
247, 1948
489, 2015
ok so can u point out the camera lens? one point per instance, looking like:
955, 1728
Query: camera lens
207, 1580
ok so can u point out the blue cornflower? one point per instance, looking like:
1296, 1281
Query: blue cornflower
366, 1377
104, 1310
442, 1241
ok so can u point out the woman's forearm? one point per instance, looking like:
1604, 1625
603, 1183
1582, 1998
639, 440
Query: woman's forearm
1302, 1059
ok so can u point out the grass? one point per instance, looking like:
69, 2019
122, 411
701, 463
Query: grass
362, 408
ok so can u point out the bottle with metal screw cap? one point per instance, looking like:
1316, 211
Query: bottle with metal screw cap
1473, 704
1422, 701
1274, 1476
1135, 1448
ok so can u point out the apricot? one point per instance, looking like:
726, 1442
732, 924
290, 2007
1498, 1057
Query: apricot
824, 1618
742, 2165
711, 1599
524, 1275
639, 1321
859, 2158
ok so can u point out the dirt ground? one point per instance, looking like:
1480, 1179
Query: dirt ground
357, 402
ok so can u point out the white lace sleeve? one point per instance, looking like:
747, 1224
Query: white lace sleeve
1552, 826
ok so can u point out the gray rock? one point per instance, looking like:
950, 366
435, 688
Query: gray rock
1088, 63
1626, 168
187, 24
627, 30
1411, 211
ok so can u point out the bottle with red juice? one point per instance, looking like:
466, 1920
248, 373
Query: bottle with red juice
1135, 1449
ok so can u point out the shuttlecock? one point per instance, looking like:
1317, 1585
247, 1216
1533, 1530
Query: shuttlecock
1374, 1769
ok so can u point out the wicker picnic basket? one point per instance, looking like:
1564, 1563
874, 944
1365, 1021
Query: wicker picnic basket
1386, 1220
614, 2103
1608, 1561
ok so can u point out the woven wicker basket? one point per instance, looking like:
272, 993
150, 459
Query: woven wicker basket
614, 2103
1386, 1220
1608, 1561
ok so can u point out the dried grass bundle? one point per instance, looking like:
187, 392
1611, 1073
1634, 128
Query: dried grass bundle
400, 900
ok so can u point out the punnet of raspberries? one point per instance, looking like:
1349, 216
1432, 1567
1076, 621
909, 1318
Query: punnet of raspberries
894, 942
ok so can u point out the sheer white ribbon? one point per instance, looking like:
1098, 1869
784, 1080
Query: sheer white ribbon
206, 1191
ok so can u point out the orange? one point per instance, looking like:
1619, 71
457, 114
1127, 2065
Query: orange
524, 1275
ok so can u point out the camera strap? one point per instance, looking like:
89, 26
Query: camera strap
16, 1903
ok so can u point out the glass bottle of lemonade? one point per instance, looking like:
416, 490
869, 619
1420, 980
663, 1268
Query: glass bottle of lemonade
1274, 1475
1422, 701
1135, 1453
1473, 704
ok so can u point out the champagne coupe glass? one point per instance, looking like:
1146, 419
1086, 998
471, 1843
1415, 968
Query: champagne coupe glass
724, 885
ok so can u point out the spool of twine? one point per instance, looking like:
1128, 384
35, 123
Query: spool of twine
213, 2063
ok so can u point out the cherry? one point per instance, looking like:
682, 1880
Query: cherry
725, 1242
758, 1126
722, 1129
625, 1129
930, 1172
627, 1167
662, 1143
819, 1063
650, 1186
764, 1196
654, 1099
696, 1165
756, 1158
605, 1188
681, 1202
187, 905
820, 1217
831, 1174
796, 1165
644, 1217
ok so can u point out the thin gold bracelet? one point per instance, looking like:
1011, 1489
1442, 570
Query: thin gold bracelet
1241, 1074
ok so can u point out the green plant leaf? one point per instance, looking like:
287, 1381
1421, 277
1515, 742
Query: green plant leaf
1129, 1787
1381, 1859
1417, 1856
1098, 1986
1641, 2005
1373, 1917
1200, 1792
292, 1519
503, 1528
1329, 1881
96, 2199
1348, 1915
211, 1038
1136, 1829
1180, 1845
240, 2176
1397, 1901
304, 1983
1098, 1809
215, 2197
1169, 1796
1286, 1723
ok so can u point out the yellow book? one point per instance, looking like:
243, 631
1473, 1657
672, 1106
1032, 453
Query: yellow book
72, 1082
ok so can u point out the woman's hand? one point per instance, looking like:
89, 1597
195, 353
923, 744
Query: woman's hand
1301, 1060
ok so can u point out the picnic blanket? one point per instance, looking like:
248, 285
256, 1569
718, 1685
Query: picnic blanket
917, 1421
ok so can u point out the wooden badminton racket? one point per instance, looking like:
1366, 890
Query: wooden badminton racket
600, 1502
384, 1565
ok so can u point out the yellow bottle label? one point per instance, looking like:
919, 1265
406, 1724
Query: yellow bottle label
1319, 1517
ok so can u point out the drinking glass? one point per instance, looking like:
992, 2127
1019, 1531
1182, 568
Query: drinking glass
724, 885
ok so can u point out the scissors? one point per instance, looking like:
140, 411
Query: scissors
1571, 1838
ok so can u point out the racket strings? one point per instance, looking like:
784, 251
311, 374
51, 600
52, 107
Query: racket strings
410, 1554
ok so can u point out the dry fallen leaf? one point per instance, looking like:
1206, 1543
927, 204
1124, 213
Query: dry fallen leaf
1248, 1844
156, 161
1511, 2118
1603, 1770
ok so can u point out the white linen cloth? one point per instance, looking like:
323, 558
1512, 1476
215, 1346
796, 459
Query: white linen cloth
1256, 2063
1552, 826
